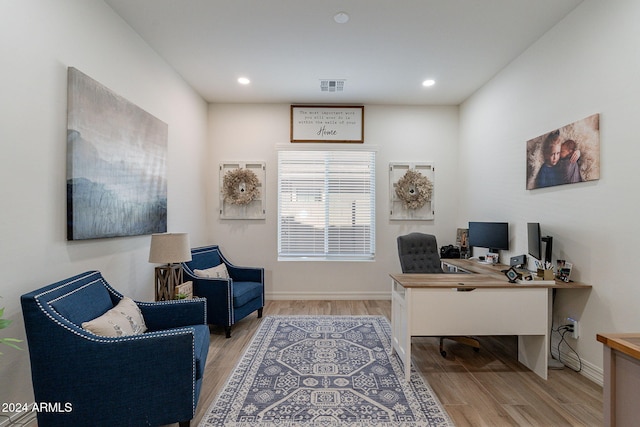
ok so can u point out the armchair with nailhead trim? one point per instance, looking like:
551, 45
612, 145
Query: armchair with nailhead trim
231, 296
145, 379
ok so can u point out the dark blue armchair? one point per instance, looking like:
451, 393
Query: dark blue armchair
228, 300
149, 379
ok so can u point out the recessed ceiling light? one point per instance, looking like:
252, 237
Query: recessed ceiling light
428, 83
244, 81
341, 17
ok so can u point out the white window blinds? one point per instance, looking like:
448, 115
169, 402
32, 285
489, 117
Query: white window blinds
326, 204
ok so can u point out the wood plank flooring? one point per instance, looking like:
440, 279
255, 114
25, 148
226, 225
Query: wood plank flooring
486, 388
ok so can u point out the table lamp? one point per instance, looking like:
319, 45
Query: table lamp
170, 249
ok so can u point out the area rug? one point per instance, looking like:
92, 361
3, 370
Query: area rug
324, 371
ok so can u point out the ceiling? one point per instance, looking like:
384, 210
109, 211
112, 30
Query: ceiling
383, 53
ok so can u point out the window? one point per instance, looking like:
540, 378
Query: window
326, 205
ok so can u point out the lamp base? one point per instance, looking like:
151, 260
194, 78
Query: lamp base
167, 278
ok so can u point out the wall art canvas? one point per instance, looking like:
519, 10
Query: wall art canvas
116, 164
567, 155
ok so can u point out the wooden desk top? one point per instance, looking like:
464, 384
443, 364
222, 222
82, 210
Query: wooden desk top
485, 276
628, 344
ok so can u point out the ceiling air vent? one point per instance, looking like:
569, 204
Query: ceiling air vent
331, 85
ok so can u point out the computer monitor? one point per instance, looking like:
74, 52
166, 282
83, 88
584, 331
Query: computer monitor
491, 235
535, 239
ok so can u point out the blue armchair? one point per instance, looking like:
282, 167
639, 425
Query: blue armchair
228, 299
148, 379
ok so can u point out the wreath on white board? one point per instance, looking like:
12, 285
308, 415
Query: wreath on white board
240, 186
414, 189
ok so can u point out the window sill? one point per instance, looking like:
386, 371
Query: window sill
325, 259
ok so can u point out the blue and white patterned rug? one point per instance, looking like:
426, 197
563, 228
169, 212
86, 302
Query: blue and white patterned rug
324, 371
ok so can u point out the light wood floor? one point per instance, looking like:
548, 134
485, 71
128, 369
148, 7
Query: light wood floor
487, 388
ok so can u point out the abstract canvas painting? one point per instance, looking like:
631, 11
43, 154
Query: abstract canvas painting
567, 155
116, 164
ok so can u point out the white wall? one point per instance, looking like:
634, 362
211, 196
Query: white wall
241, 132
587, 64
39, 39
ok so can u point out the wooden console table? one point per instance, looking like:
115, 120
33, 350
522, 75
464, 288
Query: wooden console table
481, 302
621, 378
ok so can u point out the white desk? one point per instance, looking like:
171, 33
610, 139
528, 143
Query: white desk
438, 305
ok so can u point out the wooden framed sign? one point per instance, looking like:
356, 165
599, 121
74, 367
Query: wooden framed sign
325, 123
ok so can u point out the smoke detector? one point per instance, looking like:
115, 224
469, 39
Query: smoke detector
331, 85
341, 17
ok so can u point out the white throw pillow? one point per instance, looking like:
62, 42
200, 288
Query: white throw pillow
217, 272
123, 319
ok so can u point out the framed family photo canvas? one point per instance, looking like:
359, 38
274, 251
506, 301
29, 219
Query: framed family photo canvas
568, 155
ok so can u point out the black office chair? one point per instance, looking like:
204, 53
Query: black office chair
418, 253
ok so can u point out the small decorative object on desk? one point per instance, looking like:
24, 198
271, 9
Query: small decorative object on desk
545, 270
512, 275
563, 270
545, 274
492, 258
462, 241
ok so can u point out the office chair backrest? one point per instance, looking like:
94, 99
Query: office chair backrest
418, 253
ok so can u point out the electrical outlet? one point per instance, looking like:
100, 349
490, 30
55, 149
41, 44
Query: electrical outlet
574, 324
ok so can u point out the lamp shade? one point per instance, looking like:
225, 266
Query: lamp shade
169, 248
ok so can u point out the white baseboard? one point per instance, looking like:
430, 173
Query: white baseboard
589, 370
283, 296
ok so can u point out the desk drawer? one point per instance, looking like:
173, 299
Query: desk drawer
478, 312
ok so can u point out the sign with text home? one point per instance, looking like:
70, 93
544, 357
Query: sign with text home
323, 123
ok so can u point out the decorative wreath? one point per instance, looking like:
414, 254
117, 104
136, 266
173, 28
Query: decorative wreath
240, 186
414, 189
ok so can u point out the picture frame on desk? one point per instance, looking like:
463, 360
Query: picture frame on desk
462, 241
563, 270
512, 275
